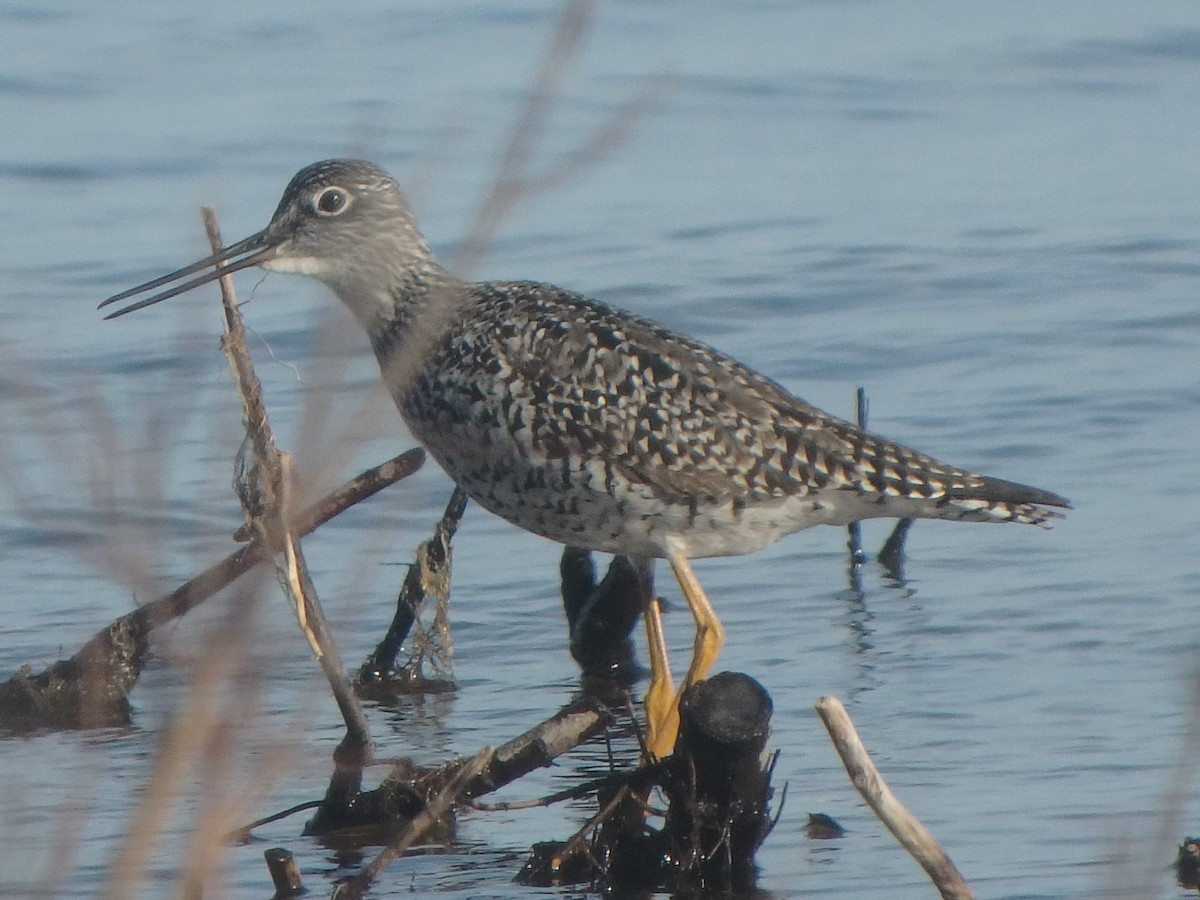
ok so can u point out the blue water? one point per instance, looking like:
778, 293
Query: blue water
986, 215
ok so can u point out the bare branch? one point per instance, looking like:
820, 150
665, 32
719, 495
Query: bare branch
264, 487
912, 835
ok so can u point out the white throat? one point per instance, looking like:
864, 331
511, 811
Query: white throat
369, 305
297, 265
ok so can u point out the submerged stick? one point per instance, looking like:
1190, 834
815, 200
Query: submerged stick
285, 874
719, 796
854, 529
430, 573
907, 828
357, 886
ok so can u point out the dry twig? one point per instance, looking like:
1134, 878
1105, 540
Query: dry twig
912, 835
264, 487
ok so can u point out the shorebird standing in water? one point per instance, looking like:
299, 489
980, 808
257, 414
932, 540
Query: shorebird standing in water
589, 425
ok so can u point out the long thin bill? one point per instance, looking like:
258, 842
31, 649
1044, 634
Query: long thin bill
249, 252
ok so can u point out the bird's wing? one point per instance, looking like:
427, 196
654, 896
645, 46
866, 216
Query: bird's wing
687, 420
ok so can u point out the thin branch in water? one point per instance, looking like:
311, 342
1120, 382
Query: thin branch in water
430, 573
241, 834
644, 772
854, 529
907, 828
434, 810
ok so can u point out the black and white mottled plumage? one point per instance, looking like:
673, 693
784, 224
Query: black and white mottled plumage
587, 424
601, 429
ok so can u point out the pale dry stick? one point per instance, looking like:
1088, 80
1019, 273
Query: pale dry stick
912, 835
74, 817
188, 734
356, 749
1180, 785
1137, 867
230, 790
357, 886
182, 741
200, 863
270, 514
293, 574
510, 181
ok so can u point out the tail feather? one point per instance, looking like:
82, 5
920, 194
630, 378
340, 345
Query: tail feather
997, 500
1002, 491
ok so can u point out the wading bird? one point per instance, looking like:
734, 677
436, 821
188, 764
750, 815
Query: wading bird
589, 425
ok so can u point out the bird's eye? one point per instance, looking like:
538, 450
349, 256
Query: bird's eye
332, 201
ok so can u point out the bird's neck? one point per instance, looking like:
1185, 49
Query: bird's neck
409, 319
377, 299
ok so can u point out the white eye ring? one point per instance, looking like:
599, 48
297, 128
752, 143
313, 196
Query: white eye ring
331, 201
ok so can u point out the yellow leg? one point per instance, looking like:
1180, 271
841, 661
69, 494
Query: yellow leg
662, 699
710, 634
662, 712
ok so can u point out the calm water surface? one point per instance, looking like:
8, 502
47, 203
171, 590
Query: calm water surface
985, 215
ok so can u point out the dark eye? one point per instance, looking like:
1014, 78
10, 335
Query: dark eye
331, 201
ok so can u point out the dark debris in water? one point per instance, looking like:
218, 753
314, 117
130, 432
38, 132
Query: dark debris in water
602, 615
822, 827
1187, 863
89, 690
717, 790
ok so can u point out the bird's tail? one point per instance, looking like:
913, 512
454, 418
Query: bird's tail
997, 500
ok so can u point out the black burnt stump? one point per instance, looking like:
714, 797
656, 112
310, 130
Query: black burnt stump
718, 784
